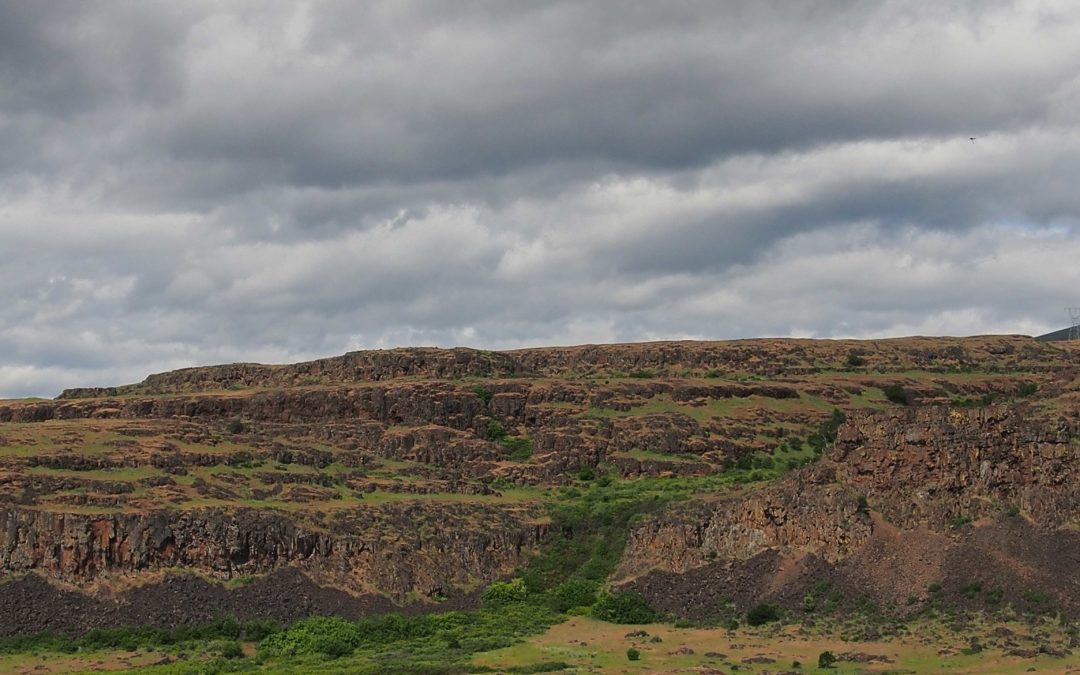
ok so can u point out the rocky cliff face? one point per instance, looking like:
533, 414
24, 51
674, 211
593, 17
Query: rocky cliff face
903, 500
931, 466
763, 358
393, 550
421, 473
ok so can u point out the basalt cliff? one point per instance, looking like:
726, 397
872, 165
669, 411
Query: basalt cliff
409, 479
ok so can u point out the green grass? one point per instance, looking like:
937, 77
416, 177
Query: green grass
715, 408
126, 474
638, 453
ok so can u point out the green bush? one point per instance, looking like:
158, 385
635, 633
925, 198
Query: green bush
643, 374
1036, 597
40, 642
897, 394
520, 447
482, 393
624, 607
971, 589
959, 521
1027, 389
320, 635
573, 593
258, 629
503, 592
495, 431
826, 659
762, 614
586, 473
855, 360
632, 654
235, 426
232, 650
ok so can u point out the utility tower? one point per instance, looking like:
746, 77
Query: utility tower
1074, 325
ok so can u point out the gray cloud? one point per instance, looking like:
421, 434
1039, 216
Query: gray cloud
205, 181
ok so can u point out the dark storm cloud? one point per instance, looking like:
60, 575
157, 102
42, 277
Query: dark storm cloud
203, 181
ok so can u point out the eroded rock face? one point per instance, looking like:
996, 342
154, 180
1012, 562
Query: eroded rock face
808, 513
420, 473
758, 357
932, 465
885, 513
392, 550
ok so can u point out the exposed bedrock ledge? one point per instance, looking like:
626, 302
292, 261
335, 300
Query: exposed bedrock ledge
393, 550
921, 467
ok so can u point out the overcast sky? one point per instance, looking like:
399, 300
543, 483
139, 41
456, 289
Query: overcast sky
185, 183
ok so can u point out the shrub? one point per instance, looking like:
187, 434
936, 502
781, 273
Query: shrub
232, 650
643, 374
897, 394
235, 426
1036, 597
520, 447
971, 589
863, 506
1027, 389
573, 593
632, 654
826, 432
326, 635
624, 607
826, 659
586, 473
40, 642
762, 614
504, 592
855, 360
482, 393
495, 431
257, 630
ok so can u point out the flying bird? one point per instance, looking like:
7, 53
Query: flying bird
972, 139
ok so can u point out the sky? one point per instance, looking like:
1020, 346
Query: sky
198, 182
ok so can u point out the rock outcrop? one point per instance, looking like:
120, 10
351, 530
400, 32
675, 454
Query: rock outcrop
905, 500
393, 550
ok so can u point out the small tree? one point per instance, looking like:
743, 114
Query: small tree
573, 593
826, 659
633, 654
505, 592
897, 394
495, 431
763, 614
624, 607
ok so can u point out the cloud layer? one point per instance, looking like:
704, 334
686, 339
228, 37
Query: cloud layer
200, 182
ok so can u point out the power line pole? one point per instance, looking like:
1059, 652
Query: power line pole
1074, 326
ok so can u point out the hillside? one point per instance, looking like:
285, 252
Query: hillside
895, 474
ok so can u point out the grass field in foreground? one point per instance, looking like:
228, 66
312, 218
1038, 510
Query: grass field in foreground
591, 646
